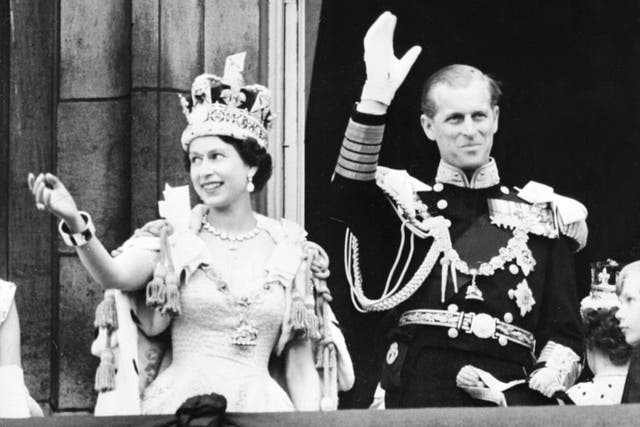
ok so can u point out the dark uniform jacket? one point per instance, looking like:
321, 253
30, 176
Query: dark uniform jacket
422, 361
631, 391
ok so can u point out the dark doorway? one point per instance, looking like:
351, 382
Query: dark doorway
569, 117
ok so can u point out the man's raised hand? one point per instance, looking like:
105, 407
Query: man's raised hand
385, 72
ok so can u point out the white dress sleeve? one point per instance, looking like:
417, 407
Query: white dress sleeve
13, 393
7, 291
15, 401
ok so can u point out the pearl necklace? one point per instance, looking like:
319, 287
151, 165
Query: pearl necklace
235, 240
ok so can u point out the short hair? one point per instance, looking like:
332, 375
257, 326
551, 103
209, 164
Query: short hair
602, 332
251, 153
456, 75
628, 270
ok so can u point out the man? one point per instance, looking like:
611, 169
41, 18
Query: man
628, 289
487, 281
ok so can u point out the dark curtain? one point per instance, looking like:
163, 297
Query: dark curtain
569, 117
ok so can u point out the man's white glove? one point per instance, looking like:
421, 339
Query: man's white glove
545, 380
385, 72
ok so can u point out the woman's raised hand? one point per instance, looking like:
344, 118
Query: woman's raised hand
51, 195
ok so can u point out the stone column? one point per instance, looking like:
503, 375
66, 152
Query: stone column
93, 151
31, 147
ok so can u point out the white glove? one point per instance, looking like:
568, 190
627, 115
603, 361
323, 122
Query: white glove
469, 377
545, 380
385, 72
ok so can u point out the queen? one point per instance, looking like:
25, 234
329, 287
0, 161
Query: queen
242, 297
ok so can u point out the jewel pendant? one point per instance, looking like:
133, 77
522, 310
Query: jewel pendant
245, 335
473, 292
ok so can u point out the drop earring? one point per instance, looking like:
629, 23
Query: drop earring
250, 187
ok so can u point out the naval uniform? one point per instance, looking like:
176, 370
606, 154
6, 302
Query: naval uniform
507, 304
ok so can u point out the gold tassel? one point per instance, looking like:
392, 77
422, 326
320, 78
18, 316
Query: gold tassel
298, 316
317, 290
313, 329
106, 372
156, 292
318, 356
106, 314
311, 320
329, 401
172, 305
331, 363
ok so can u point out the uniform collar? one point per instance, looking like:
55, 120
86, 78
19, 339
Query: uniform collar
484, 177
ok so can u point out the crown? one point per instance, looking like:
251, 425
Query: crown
224, 106
603, 288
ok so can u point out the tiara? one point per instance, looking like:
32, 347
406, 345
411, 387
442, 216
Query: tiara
224, 106
603, 288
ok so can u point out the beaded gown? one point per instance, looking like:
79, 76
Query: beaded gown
240, 310
222, 342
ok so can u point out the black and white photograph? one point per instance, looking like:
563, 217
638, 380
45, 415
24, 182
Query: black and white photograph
319, 212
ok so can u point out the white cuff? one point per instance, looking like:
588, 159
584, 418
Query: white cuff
564, 361
381, 91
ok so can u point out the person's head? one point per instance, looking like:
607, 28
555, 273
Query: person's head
225, 141
460, 113
221, 168
628, 290
602, 333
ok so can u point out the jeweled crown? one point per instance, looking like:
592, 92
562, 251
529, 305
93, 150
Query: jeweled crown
225, 106
603, 288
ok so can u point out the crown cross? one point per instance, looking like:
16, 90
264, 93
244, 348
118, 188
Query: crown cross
224, 106
604, 276
233, 98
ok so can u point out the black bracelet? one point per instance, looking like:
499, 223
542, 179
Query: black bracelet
81, 238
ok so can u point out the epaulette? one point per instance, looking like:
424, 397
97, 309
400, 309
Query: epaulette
402, 188
538, 209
